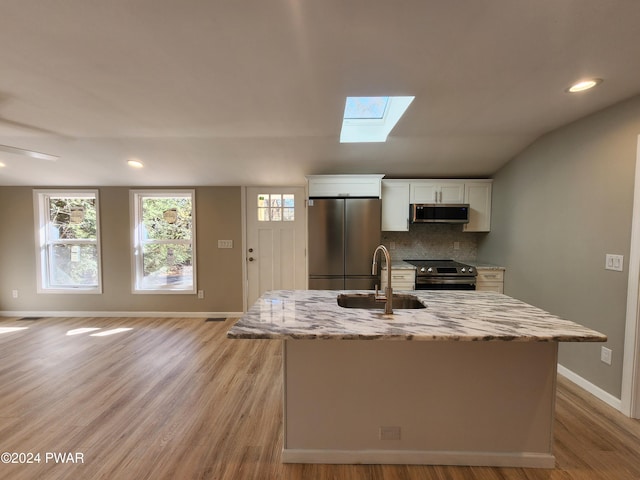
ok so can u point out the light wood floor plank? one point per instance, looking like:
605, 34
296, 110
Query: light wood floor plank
174, 399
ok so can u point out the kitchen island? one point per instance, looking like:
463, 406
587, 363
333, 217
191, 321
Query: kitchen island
468, 380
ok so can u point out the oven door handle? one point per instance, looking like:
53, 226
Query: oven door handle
445, 280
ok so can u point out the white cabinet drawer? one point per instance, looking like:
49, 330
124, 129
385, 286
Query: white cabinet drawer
490, 276
490, 287
401, 279
490, 280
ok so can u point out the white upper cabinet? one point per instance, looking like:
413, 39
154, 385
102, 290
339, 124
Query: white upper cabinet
344, 185
477, 193
438, 191
397, 195
395, 205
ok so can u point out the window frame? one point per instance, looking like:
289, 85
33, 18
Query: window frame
137, 243
42, 221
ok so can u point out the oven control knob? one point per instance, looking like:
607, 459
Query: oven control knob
429, 269
470, 269
422, 270
464, 269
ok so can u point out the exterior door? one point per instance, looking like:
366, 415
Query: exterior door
276, 240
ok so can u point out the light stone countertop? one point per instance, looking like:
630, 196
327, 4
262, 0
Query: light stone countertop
402, 265
450, 316
399, 265
487, 266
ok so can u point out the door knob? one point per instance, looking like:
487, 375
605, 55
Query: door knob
250, 250
251, 259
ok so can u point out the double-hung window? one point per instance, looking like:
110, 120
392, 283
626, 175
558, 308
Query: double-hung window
67, 241
163, 241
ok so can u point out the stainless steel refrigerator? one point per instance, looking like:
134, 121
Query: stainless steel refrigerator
343, 233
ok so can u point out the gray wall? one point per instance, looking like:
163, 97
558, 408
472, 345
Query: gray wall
558, 208
219, 271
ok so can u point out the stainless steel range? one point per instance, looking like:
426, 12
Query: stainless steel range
443, 275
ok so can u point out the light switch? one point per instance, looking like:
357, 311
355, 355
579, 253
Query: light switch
225, 243
605, 355
614, 262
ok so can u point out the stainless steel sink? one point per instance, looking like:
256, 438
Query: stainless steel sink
363, 300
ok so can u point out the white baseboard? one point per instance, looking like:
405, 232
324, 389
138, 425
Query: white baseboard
591, 388
73, 313
411, 457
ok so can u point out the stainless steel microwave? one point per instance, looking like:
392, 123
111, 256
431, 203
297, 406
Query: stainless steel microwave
440, 213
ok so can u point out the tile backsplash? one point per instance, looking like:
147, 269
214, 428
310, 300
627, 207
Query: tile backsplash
433, 241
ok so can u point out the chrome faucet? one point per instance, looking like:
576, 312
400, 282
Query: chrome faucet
388, 291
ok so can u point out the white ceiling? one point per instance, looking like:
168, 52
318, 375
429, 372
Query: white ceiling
224, 92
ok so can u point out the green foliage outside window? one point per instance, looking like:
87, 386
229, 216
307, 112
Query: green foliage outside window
61, 212
164, 220
72, 263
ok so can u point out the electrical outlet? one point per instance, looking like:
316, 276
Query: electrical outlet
200, 294
605, 355
225, 243
14, 293
389, 433
614, 262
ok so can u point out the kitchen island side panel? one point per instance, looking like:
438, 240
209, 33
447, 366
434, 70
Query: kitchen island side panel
482, 403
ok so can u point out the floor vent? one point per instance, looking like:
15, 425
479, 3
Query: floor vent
215, 319
30, 318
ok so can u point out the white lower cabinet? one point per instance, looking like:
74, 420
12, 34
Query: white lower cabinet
401, 279
490, 280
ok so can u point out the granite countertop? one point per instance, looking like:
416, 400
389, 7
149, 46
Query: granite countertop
488, 266
450, 316
399, 265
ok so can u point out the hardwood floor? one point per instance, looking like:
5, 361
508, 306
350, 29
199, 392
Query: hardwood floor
174, 399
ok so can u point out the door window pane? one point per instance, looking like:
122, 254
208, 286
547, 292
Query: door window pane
288, 209
276, 207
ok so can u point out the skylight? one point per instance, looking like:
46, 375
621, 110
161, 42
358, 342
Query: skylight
365, 107
371, 119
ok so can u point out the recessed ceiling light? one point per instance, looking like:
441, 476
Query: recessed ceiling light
135, 164
583, 85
